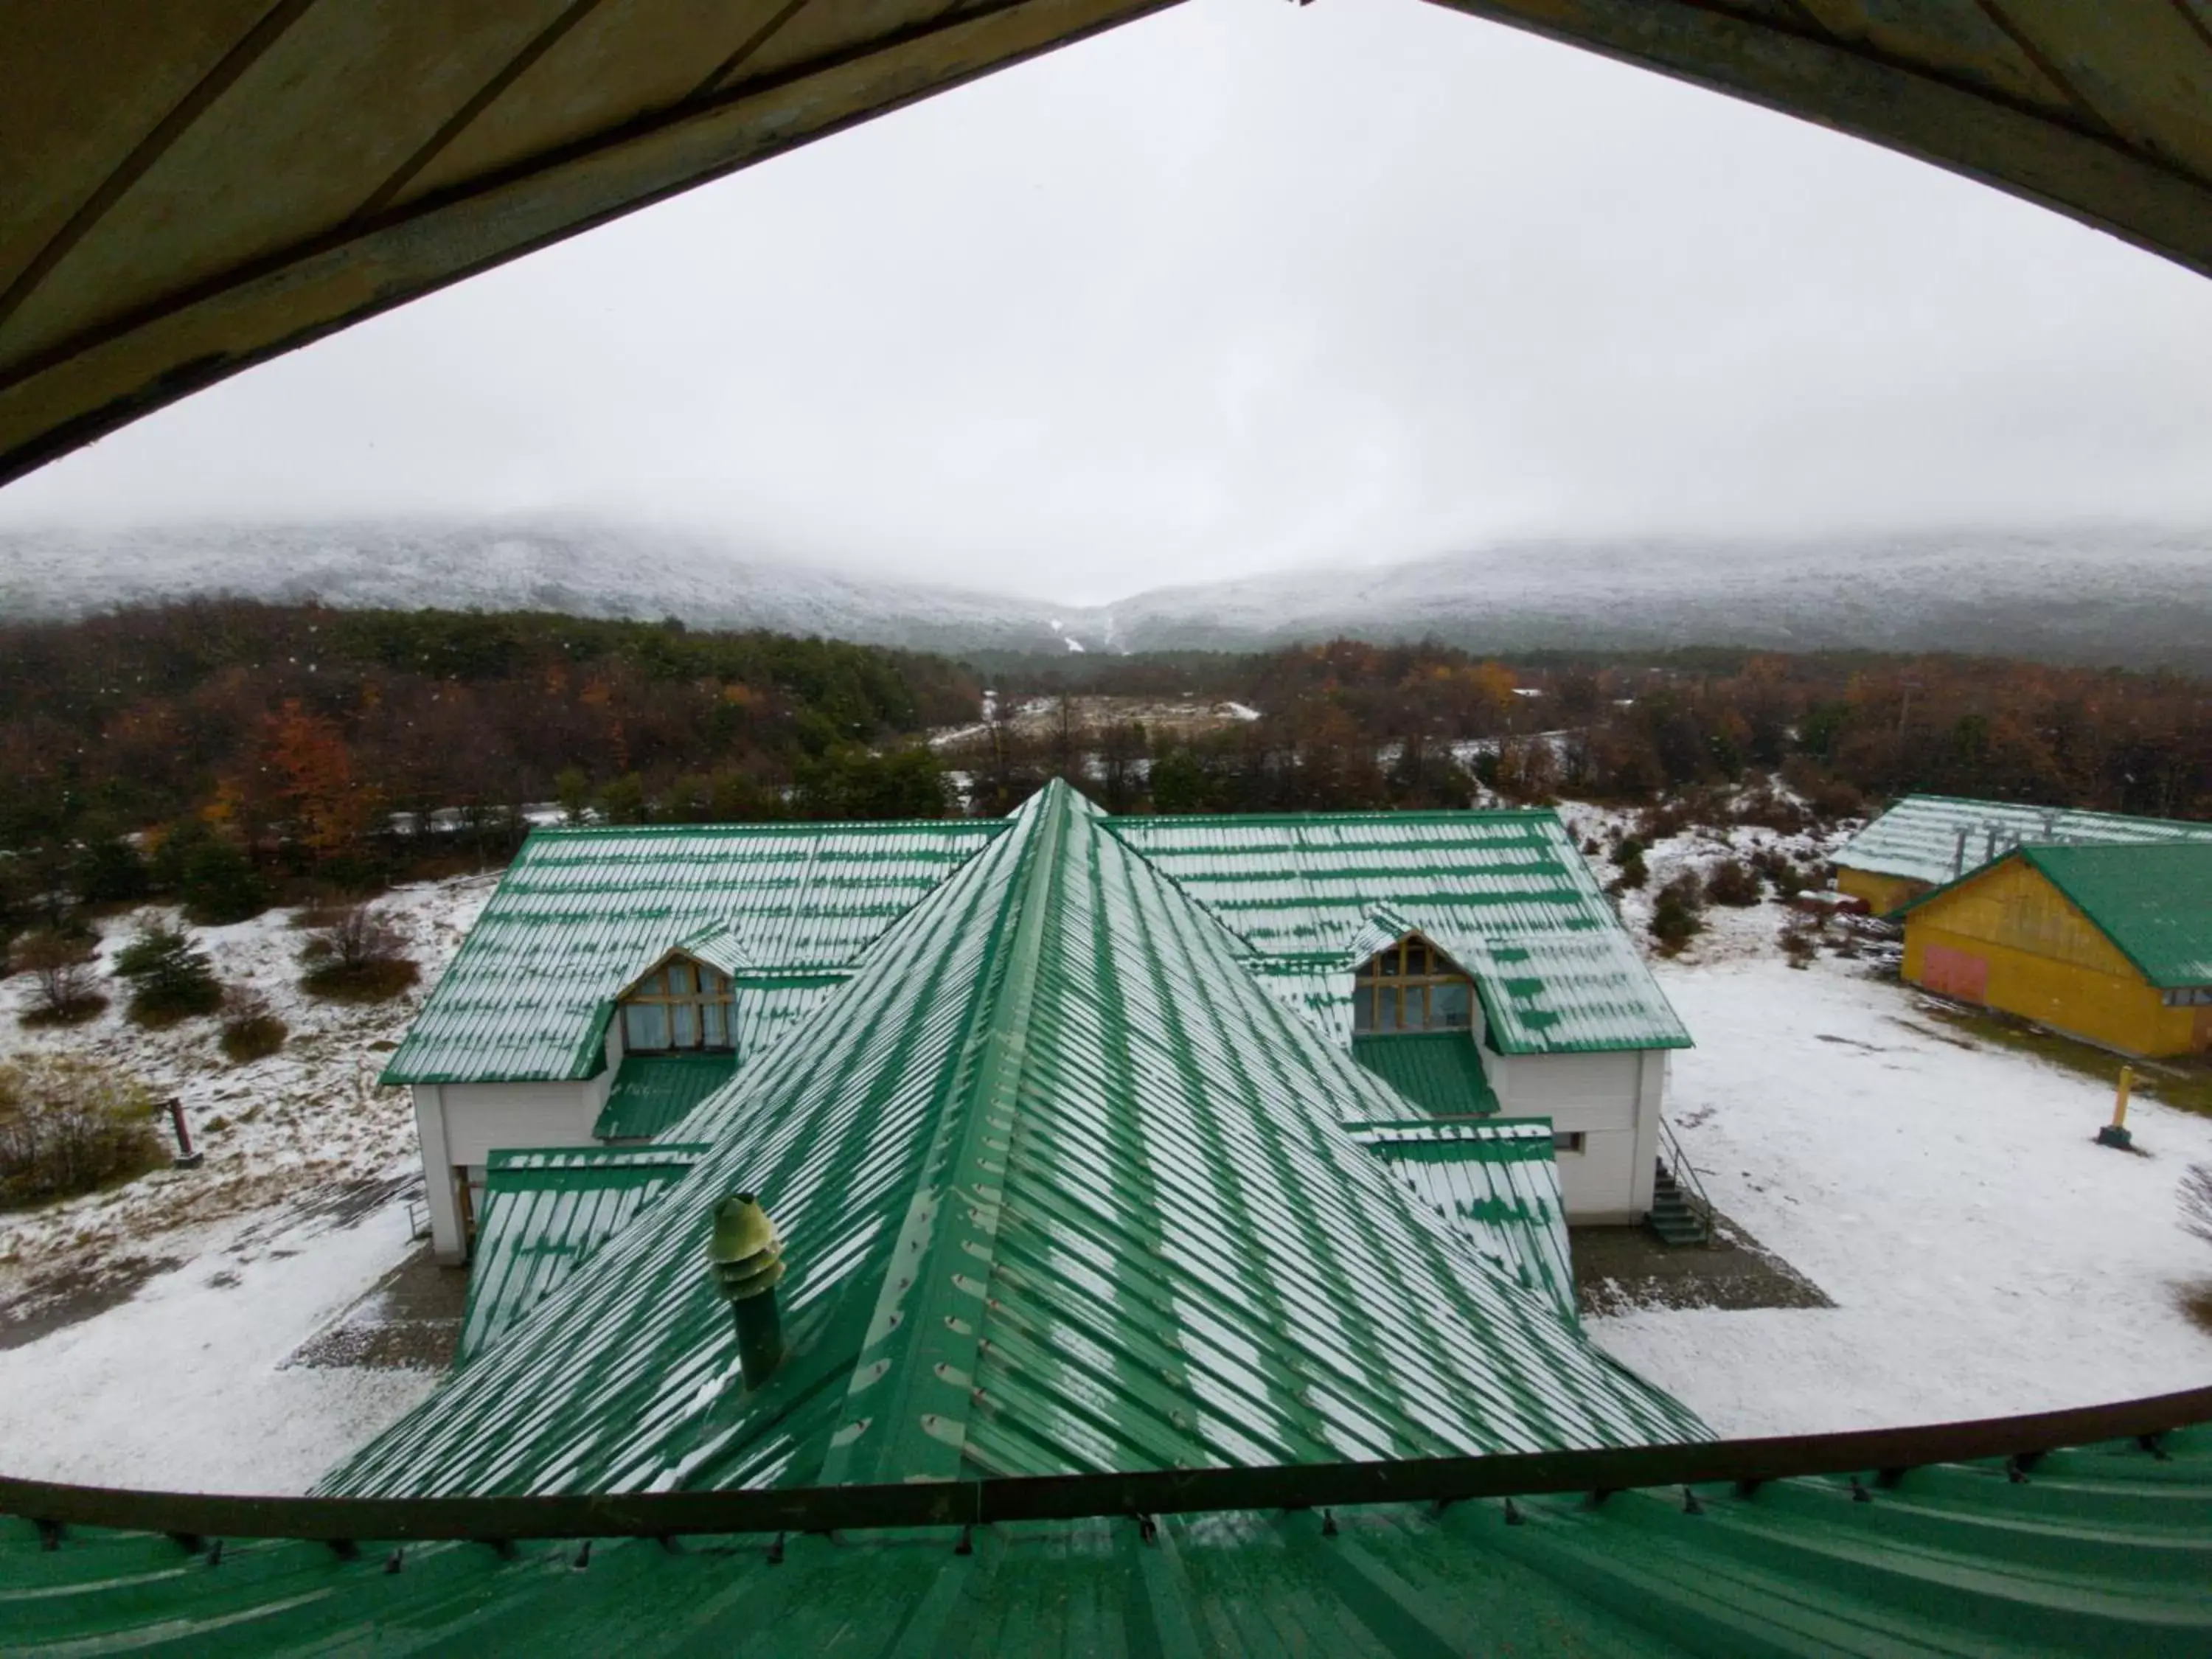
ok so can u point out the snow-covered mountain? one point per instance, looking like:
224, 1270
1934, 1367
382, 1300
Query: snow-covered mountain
579, 567
2118, 595
2126, 595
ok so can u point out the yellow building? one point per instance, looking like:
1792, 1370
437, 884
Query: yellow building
2109, 943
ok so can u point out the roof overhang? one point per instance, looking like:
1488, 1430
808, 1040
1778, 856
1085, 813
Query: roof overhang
206, 186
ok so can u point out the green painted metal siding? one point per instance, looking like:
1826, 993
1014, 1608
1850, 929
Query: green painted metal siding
545, 1212
652, 1093
1506, 895
1438, 1072
1918, 838
2105, 1549
1497, 1181
581, 913
1061, 1189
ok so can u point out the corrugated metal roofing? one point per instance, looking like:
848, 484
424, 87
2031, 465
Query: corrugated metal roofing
2105, 1549
1438, 1072
1061, 1188
652, 1093
1505, 895
1498, 1180
1918, 838
2153, 902
581, 913
545, 1212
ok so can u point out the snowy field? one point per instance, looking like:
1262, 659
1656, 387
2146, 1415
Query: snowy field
1984, 1254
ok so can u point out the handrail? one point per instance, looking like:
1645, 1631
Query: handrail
1889, 1452
1687, 1177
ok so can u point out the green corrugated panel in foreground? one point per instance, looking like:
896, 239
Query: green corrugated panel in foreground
1061, 1189
2101, 1550
1439, 1072
652, 1093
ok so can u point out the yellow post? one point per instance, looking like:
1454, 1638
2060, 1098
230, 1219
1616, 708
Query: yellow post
2120, 1100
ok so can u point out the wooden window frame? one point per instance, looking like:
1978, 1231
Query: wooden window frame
1372, 983
726, 998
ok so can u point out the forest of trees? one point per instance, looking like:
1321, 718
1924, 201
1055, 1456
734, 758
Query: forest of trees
220, 751
224, 754
1348, 725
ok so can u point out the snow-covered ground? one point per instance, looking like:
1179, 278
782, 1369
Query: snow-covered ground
222, 1272
1985, 1255
273, 1130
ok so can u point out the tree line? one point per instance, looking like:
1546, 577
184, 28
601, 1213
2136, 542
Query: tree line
224, 751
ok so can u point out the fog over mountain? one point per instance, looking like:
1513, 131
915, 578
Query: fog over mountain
2129, 595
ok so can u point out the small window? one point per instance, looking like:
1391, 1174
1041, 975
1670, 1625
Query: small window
1411, 986
683, 1005
1567, 1140
2189, 996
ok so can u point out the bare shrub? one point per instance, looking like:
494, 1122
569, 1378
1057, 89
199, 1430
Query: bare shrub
67, 988
1734, 884
250, 1028
2196, 1200
358, 958
69, 1125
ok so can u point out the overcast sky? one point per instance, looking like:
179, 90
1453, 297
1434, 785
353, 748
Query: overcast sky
1243, 286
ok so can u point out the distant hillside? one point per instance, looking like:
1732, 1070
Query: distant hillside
2123, 595
580, 569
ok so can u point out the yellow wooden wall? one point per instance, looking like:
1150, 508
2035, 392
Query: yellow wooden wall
2048, 963
1882, 893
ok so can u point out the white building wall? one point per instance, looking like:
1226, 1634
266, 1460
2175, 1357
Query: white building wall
460, 1125
1613, 1101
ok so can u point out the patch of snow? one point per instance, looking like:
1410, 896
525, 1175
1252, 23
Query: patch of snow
184, 1388
1985, 1255
286, 1126
1238, 711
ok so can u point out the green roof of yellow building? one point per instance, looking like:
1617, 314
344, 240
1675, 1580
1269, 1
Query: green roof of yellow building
2152, 901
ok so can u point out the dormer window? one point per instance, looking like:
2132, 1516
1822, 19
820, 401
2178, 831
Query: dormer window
1411, 986
682, 1005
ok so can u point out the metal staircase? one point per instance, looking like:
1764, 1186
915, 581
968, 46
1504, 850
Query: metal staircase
1680, 1213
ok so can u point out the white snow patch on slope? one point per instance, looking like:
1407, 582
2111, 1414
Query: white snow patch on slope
183, 1388
1985, 1255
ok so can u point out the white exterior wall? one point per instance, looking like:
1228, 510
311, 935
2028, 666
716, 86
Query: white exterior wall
460, 1125
1614, 1101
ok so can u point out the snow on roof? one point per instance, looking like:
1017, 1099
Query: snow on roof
1061, 1189
1505, 895
581, 913
1938, 838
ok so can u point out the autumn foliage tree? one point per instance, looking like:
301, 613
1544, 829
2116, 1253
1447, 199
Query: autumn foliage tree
327, 810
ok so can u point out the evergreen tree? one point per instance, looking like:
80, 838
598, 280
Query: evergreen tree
169, 980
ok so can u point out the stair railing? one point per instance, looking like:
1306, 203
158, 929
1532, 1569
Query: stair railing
1677, 1163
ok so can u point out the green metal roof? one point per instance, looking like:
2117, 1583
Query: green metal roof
652, 1093
1498, 1180
581, 913
2153, 902
1061, 1189
545, 1212
2106, 1548
1505, 895
1918, 838
1438, 1072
